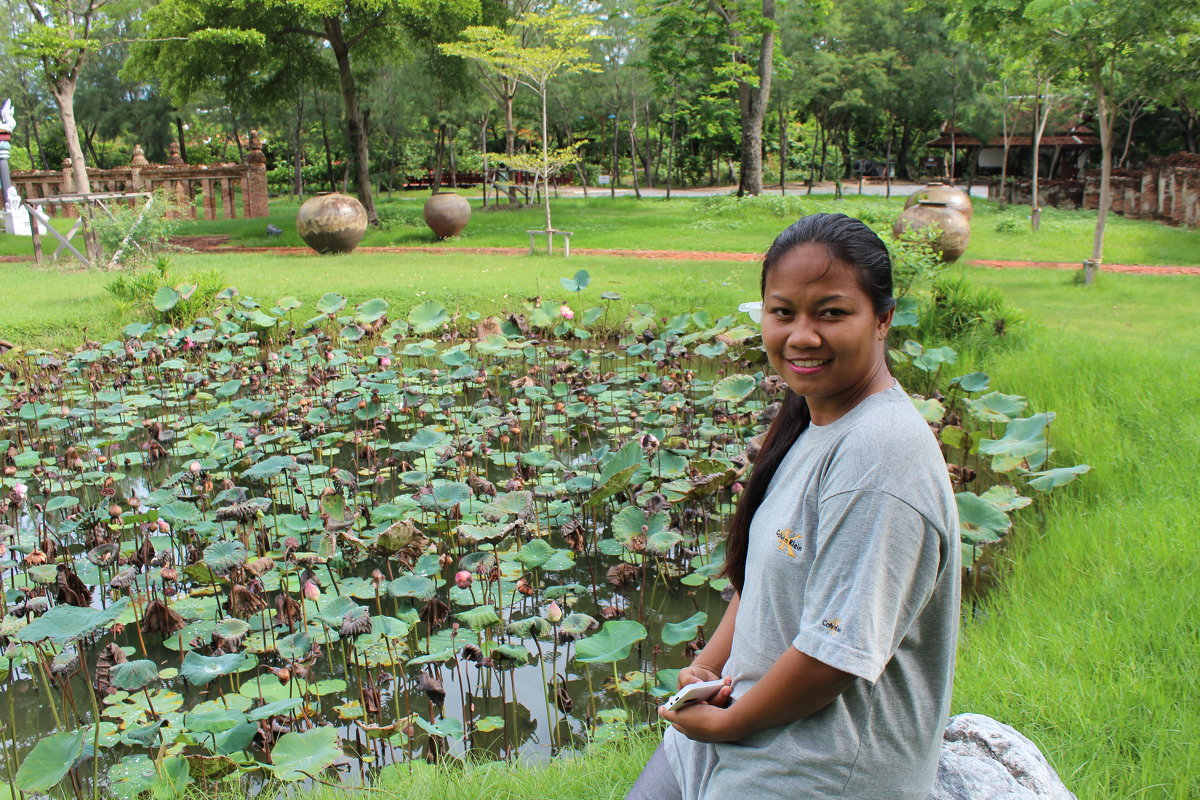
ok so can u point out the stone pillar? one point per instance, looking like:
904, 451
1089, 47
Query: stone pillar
254, 194
136, 182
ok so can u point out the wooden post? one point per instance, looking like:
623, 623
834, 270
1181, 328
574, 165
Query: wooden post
210, 203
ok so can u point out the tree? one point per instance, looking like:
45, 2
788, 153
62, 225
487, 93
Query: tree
540, 47
281, 30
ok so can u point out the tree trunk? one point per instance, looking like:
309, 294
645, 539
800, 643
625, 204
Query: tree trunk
902, 170
546, 164
754, 101
63, 90
671, 151
298, 166
1041, 110
182, 141
1104, 118
633, 157
354, 118
783, 143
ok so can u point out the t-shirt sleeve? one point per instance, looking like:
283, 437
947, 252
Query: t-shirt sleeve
875, 566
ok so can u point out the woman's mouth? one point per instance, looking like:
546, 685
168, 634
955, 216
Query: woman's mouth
807, 366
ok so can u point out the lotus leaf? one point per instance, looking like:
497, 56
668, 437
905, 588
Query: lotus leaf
971, 382
331, 303
418, 587
980, 521
996, 407
578, 283
224, 556
267, 688
611, 643
931, 410
734, 388
479, 617
63, 624
276, 708
49, 761
1005, 498
133, 675
213, 720
577, 624
1049, 479
300, 755
428, 316
232, 740
131, 776
270, 467
201, 670
674, 633
489, 724
446, 726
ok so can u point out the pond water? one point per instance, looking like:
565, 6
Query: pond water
425, 545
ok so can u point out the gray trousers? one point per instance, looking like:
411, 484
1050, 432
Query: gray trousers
657, 781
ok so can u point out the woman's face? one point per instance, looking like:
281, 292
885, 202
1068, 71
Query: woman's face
821, 332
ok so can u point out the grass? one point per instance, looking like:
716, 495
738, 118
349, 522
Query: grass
723, 224
1089, 644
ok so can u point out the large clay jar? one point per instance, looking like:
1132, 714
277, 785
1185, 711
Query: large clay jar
331, 223
446, 214
954, 229
939, 192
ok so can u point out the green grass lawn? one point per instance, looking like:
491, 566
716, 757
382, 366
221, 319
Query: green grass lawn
722, 224
1089, 643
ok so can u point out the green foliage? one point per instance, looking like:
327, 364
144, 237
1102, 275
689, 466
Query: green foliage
960, 311
154, 292
140, 232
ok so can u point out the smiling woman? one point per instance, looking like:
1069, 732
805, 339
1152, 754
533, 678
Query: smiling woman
837, 650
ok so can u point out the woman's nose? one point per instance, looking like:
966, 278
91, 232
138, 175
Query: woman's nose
803, 335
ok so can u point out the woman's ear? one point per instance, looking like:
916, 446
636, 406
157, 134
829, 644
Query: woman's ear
884, 322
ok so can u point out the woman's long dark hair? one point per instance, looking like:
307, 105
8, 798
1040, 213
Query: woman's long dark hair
853, 243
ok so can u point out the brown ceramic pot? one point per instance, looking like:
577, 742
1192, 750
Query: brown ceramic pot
446, 214
331, 223
938, 192
954, 233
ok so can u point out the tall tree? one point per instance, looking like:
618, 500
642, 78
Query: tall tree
351, 31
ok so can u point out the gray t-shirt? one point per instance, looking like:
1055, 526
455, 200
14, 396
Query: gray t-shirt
853, 559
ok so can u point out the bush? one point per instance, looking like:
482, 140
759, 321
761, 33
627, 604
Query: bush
960, 312
140, 233
156, 294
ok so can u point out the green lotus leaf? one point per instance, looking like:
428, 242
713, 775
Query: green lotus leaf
734, 388
270, 467
232, 740
425, 439
224, 556
930, 409
294, 646
479, 617
534, 554
489, 724
201, 670
611, 643
686, 630
300, 755
629, 522
529, 627
418, 587
979, 521
131, 776
370, 311
49, 761
996, 407
578, 283
971, 382
510, 655
276, 708
1049, 479
133, 675
63, 624
214, 720
577, 623
61, 502
166, 298
617, 472
428, 316
1024, 441
331, 303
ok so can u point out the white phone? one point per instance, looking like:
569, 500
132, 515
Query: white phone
693, 692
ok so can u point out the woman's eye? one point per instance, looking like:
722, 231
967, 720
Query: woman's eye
833, 312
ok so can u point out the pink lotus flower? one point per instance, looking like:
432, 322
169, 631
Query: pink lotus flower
384, 361
554, 613
20, 490
164, 526
566, 311
311, 590
462, 579
194, 467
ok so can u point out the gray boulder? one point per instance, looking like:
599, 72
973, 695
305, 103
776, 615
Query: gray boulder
983, 759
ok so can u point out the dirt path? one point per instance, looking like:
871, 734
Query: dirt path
220, 244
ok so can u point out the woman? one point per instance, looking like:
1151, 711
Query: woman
837, 649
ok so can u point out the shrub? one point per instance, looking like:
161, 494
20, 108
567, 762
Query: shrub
135, 236
961, 312
157, 294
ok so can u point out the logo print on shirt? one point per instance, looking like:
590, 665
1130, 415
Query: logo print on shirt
832, 625
789, 542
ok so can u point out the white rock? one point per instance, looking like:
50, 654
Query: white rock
983, 759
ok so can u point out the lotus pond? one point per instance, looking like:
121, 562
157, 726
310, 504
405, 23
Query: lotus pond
266, 546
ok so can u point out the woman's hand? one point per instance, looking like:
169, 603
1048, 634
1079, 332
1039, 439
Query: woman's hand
707, 720
696, 673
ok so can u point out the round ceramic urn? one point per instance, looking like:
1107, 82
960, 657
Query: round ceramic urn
446, 214
939, 192
954, 231
332, 223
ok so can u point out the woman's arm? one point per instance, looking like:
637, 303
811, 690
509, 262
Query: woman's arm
795, 686
714, 655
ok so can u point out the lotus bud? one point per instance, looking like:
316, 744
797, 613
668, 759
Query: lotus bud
462, 579
114, 511
10, 652
566, 312
737, 487
553, 613
445, 559
238, 444
164, 526
376, 577
194, 467
9, 471
311, 590
20, 490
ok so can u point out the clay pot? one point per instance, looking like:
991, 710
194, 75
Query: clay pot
331, 223
955, 231
446, 214
938, 192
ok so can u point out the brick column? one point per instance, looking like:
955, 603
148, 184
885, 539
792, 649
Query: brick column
254, 195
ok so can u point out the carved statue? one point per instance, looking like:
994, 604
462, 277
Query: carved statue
8, 122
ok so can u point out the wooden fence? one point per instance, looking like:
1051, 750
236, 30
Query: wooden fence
204, 191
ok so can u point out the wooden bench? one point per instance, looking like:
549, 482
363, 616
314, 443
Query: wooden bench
549, 234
